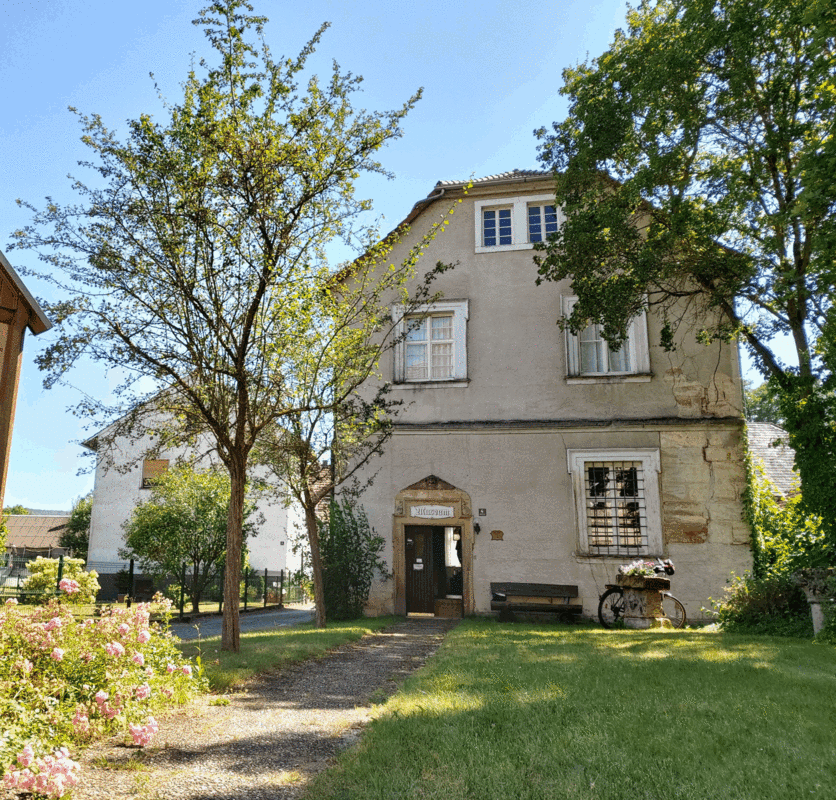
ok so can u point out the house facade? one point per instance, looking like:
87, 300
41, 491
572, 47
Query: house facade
524, 453
124, 479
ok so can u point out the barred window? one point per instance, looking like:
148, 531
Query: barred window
616, 514
617, 501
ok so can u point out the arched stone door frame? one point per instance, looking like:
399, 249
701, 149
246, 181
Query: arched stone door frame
432, 491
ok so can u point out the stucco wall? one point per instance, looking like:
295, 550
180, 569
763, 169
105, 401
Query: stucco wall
502, 434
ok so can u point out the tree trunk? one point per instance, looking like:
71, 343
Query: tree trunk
231, 632
311, 523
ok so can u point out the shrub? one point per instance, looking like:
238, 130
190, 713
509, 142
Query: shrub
64, 682
772, 605
43, 578
350, 557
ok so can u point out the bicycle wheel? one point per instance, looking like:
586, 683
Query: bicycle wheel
611, 607
674, 610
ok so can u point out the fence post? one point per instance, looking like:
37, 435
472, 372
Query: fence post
182, 589
130, 584
265, 587
60, 574
246, 585
281, 587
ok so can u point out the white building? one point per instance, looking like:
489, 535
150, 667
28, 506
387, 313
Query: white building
124, 480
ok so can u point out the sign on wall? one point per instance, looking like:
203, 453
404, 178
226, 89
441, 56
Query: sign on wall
432, 512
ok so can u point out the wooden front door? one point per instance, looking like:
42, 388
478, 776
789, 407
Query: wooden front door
419, 569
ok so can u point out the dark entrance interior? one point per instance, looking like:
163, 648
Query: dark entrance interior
433, 566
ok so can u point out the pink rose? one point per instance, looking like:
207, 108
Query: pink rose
138, 658
57, 653
187, 670
143, 637
142, 692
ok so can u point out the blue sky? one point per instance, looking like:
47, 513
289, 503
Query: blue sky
491, 72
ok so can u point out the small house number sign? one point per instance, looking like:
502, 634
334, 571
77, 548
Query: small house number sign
432, 512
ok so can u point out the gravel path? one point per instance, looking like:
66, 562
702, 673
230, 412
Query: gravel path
274, 735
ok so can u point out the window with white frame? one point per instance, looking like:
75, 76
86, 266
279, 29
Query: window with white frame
431, 342
515, 223
617, 501
542, 222
589, 355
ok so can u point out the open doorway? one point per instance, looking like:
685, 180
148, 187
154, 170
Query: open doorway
434, 580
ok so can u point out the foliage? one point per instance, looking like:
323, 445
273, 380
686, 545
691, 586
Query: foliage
76, 536
64, 680
762, 404
18, 509
43, 578
350, 558
771, 605
785, 537
695, 171
184, 521
191, 266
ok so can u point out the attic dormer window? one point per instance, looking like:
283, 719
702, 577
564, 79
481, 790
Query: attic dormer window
515, 223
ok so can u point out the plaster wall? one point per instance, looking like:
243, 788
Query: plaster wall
516, 354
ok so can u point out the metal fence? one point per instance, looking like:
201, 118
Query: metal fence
259, 588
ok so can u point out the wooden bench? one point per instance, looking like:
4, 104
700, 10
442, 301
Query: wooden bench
534, 598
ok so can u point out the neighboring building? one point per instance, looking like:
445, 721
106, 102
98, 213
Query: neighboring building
18, 311
122, 484
524, 453
33, 535
769, 444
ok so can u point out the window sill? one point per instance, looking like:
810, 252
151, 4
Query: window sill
581, 557
503, 248
452, 384
576, 380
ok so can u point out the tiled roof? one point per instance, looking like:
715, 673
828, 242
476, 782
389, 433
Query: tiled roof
28, 530
512, 175
768, 443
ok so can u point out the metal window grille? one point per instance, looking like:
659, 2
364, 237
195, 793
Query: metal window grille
616, 511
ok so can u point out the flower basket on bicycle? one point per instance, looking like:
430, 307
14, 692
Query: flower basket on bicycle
640, 598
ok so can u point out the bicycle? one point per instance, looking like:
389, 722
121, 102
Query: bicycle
611, 602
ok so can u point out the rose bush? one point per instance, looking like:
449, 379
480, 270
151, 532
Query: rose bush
64, 682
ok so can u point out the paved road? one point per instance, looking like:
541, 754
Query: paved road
251, 621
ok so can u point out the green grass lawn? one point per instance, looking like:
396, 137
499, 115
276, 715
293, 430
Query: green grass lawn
523, 711
263, 651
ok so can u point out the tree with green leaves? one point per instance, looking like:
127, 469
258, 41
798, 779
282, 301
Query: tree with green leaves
188, 264
762, 404
695, 170
76, 534
350, 558
184, 522
340, 424
18, 509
